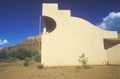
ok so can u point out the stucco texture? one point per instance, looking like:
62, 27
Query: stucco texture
72, 37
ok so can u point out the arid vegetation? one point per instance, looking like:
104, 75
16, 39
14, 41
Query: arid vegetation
17, 70
19, 54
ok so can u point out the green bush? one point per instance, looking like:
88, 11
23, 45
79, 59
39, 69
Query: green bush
3, 56
11, 59
12, 54
34, 52
27, 59
26, 62
84, 61
23, 54
37, 57
41, 66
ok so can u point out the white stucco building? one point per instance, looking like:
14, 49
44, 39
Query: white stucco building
66, 37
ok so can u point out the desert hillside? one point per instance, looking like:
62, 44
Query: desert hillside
32, 43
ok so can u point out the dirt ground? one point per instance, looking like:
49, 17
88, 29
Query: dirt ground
18, 71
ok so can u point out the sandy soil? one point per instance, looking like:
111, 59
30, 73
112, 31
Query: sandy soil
18, 71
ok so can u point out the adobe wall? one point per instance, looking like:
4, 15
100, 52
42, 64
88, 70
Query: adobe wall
72, 37
113, 54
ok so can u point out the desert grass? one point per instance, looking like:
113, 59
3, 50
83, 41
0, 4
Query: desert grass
18, 71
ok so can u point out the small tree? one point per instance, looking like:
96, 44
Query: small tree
84, 61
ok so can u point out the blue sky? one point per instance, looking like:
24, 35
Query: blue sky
16, 16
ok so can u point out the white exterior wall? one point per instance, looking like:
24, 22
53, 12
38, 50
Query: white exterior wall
113, 54
72, 37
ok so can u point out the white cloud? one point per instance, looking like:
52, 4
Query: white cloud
111, 22
3, 42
